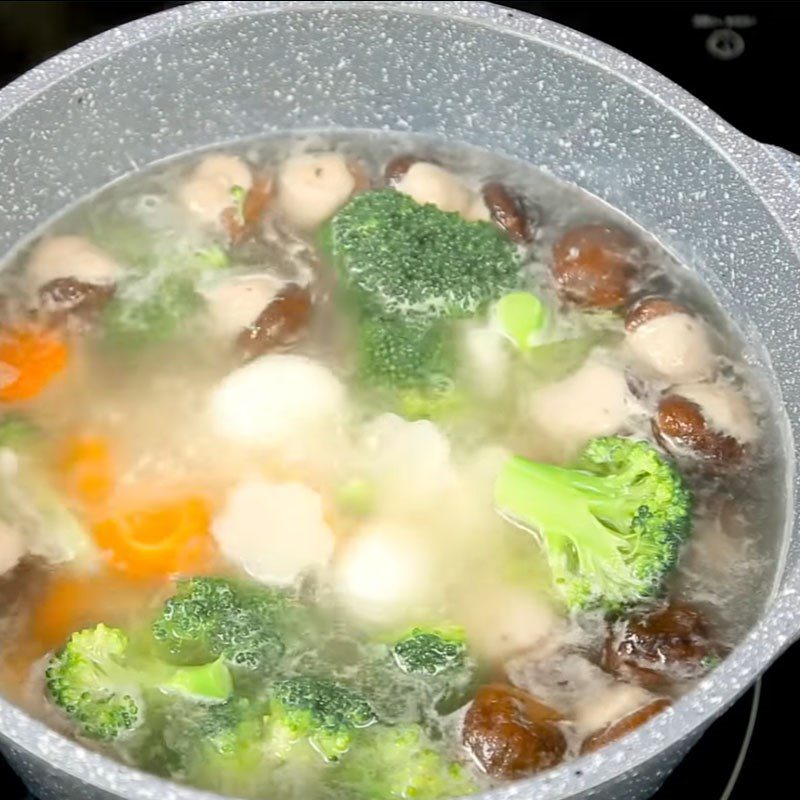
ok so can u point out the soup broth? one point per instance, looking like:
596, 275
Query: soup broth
367, 465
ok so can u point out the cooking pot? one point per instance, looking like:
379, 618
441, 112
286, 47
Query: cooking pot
216, 72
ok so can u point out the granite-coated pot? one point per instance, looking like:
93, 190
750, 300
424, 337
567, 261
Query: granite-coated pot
220, 71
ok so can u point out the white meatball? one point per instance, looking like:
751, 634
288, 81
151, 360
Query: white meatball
12, 548
430, 183
509, 620
384, 572
609, 704
207, 192
313, 187
277, 400
274, 531
235, 303
674, 347
594, 401
724, 409
69, 257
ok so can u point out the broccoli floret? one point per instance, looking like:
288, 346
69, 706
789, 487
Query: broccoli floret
431, 651
410, 365
400, 258
214, 617
228, 748
220, 746
139, 315
404, 354
611, 527
438, 660
101, 685
16, 431
400, 762
321, 711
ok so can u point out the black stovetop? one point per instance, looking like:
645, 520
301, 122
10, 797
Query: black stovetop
730, 55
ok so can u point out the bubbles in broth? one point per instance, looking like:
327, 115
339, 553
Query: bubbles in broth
362, 465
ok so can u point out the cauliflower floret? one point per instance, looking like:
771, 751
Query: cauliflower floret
409, 461
234, 303
674, 347
274, 531
69, 257
430, 183
208, 190
313, 187
385, 572
278, 400
12, 548
594, 401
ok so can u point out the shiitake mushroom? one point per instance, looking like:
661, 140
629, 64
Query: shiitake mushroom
283, 319
628, 724
659, 647
595, 266
710, 422
508, 212
510, 733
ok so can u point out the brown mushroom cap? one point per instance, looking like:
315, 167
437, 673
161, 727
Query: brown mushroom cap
396, 169
648, 309
242, 223
63, 297
511, 734
654, 649
624, 726
361, 176
507, 212
680, 424
281, 322
594, 266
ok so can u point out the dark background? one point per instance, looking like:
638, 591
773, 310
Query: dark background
740, 58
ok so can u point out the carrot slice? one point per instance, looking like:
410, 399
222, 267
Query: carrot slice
71, 602
29, 360
159, 540
87, 469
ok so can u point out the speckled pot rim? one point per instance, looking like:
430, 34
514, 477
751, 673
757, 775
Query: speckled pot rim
762, 170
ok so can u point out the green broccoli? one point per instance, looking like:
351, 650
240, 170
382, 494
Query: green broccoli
101, 685
431, 651
611, 527
141, 314
227, 750
16, 431
409, 365
212, 617
158, 293
399, 258
318, 710
400, 762
220, 746
404, 354
438, 660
